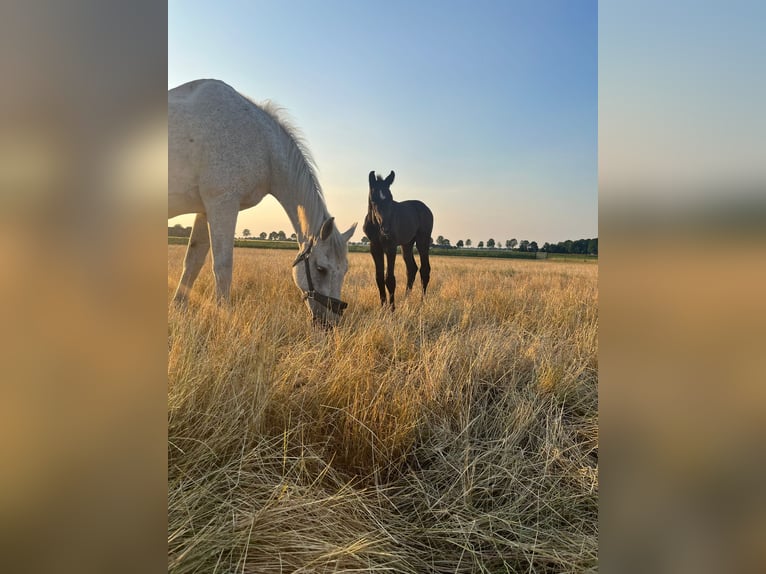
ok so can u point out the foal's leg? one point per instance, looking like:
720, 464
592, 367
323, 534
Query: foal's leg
412, 268
425, 265
390, 277
223, 219
196, 251
376, 251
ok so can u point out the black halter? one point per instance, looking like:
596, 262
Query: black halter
335, 305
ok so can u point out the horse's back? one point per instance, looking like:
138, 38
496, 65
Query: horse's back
421, 208
419, 211
218, 142
194, 88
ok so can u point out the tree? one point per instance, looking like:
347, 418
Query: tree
459, 243
524, 245
491, 243
293, 237
513, 243
440, 240
281, 236
481, 244
245, 233
467, 242
533, 247
179, 230
273, 236
365, 241
579, 246
263, 235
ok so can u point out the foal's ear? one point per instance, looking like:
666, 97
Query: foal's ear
372, 178
390, 178
327, 228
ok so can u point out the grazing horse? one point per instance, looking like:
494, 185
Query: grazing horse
225, 153
391, 223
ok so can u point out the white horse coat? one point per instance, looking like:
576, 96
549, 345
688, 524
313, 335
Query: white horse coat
225, 153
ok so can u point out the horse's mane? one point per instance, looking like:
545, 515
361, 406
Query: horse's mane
302, 170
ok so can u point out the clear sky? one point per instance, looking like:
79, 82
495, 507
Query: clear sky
486, 110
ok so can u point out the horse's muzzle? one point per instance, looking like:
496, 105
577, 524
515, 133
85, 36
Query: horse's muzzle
330, 303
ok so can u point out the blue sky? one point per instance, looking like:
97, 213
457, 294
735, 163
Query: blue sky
486, 110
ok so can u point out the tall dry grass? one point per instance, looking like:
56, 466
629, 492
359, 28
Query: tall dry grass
458, 434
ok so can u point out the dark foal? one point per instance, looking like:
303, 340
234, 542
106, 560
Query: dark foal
389, 224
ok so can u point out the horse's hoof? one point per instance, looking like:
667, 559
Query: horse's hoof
180, 303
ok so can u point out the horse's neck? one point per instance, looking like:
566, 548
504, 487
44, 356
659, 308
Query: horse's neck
304, 206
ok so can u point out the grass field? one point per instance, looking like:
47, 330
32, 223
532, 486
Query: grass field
458, 434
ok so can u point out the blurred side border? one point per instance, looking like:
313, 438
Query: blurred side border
682, 213
83, 174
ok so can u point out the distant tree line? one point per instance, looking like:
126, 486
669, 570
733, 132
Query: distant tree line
276, 236
272, 236
578, 246
179, 230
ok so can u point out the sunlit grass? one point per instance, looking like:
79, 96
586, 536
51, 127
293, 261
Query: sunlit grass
458, 434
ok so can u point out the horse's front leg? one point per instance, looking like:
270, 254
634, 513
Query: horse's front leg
390, 277
223, 220
377, 256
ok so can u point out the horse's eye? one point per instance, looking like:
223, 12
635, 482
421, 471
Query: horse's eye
321, 269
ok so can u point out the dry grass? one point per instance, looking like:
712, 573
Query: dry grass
459, 434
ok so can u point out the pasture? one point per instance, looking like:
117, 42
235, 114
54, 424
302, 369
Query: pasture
458, 434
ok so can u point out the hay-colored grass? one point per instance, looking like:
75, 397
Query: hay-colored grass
458, 434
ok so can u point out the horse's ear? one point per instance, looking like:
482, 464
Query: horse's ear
349, 234
372, 178
326, 230
390, 178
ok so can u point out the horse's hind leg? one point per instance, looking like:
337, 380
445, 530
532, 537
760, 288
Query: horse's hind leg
425, 265
196, 251
412, 268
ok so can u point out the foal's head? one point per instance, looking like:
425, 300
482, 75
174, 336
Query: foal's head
381, 201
